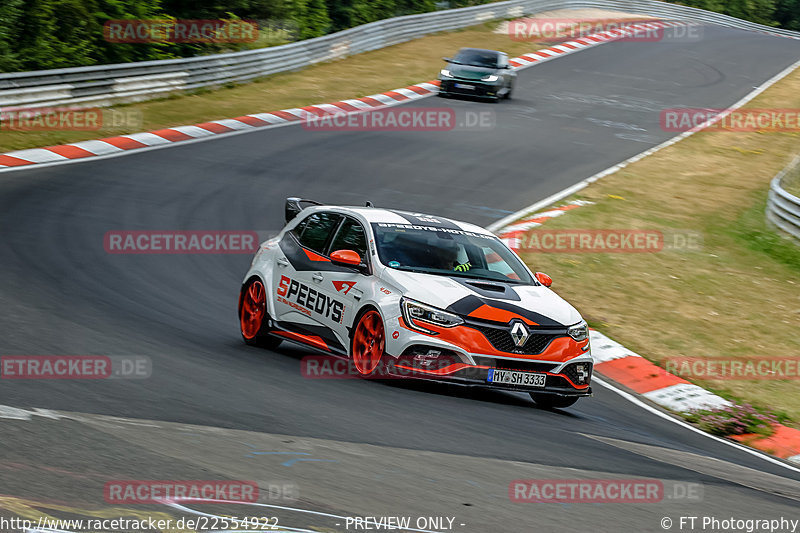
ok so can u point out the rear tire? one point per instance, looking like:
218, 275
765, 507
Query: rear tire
551, 401
253, 318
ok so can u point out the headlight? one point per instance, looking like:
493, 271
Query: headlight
415, 312
579, 332
490, 77
446, 73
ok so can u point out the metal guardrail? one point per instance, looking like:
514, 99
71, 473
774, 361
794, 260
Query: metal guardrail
783, 209
129, 82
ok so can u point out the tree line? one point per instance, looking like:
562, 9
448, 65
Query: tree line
47, 34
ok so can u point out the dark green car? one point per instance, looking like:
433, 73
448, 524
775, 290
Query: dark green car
479, 73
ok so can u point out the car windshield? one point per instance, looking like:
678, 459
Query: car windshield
448, 252
476, 58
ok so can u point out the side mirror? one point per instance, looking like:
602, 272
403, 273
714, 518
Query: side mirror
346, 257
544, 279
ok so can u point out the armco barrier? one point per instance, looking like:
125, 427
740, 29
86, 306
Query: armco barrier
129, 82
783, 209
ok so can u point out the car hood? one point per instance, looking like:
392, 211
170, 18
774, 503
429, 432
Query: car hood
467, 297
469, 72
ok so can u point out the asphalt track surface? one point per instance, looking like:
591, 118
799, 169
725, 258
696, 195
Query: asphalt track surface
451, 453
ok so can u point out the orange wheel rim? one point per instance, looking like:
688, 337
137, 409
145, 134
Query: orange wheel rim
253, 309
368, 343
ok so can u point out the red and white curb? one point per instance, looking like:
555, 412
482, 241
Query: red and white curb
511, 234
614, 360
112, 146
626, 367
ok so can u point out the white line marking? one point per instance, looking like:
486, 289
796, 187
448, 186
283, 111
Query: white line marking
176, 505
611, 170
688, 426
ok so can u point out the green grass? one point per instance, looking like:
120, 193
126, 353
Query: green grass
738, 296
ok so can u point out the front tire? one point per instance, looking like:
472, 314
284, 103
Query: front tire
369, 343
551, 401
253, 317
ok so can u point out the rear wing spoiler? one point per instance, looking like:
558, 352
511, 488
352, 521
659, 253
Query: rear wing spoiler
294, 206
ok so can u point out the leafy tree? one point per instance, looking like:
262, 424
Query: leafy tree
106, 52
409, 7
760, 11
787, 13
10, 15
311, 17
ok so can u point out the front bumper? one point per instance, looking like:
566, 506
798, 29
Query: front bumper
466, 354
476, 88
561, 379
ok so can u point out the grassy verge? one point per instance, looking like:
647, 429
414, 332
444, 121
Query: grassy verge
738, 296
360, 75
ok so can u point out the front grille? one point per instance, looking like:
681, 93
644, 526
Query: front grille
572, 373
479, 88
500, 338
511, 364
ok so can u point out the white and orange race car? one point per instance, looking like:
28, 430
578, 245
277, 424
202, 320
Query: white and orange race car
409, 294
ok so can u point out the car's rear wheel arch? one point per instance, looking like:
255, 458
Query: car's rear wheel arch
244, 286
262, 336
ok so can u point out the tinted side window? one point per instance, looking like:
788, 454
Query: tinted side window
351, 237
298, 229
316, 230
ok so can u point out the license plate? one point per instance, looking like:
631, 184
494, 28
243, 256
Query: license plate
464, 86
513, 377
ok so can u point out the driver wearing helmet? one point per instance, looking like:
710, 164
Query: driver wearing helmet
444, 255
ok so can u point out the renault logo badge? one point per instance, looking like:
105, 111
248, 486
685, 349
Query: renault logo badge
519, 333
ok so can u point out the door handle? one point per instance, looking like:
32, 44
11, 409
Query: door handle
317, 277
282, 261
